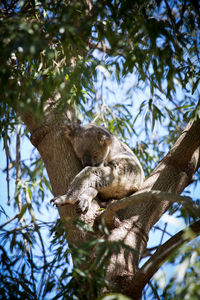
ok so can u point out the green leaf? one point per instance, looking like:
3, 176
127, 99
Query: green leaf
47, 183
29, 191
22, 212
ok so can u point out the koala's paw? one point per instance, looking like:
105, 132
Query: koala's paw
59, 201
83, 205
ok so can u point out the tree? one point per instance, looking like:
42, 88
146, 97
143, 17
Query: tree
54, 55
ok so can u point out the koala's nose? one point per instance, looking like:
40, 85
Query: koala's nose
86, 160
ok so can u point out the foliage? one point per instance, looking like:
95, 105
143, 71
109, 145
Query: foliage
52, 46
29, 273
185, 280
124, 63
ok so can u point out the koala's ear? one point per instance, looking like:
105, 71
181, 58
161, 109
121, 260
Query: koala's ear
105, 139
71, 130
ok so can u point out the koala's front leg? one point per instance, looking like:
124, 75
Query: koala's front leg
83, 188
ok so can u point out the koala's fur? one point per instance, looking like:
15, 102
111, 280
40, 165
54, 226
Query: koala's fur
110, 168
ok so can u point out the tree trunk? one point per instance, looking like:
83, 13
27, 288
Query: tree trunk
61, 163
173, 174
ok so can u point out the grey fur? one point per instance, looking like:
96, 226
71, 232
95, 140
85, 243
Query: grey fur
110, 168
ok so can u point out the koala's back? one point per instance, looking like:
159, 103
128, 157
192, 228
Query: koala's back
126, 171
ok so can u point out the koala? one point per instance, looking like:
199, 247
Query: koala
111, 169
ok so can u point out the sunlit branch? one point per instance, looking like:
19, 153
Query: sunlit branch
141, 197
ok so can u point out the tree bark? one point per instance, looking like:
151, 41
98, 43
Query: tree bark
60, 161
173, 174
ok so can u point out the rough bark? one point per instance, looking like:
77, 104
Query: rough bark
60, 161
172, 174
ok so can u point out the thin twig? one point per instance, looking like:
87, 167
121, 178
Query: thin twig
154, 291
8, 158
166, 232
18, 166
9, 221
163, 233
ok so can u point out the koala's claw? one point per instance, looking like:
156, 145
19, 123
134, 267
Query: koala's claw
54, 202
58, 201
82, 206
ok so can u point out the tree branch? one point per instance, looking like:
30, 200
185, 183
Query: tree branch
141, 197
146, 272
101, 46
9, 221
18, 167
